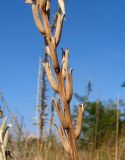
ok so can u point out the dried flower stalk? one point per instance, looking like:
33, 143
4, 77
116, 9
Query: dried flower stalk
63, 83
4, 152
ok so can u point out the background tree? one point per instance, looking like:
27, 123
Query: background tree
43, 114
100, 120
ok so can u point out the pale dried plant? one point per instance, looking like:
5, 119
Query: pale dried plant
61, 80
5, 153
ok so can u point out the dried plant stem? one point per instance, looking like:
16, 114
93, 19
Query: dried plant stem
61, 80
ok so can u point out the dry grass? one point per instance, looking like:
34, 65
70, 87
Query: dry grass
53, 150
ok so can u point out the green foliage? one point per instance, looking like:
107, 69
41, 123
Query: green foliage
99, 122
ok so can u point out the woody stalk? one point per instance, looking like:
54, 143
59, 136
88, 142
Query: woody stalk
61, 80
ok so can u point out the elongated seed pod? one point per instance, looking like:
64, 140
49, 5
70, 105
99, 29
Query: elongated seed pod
62, 6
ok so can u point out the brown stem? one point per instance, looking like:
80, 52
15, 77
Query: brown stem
63, 83
70, 132
46, 25
53, 55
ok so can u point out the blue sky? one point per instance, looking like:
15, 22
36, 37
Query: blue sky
94, 31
